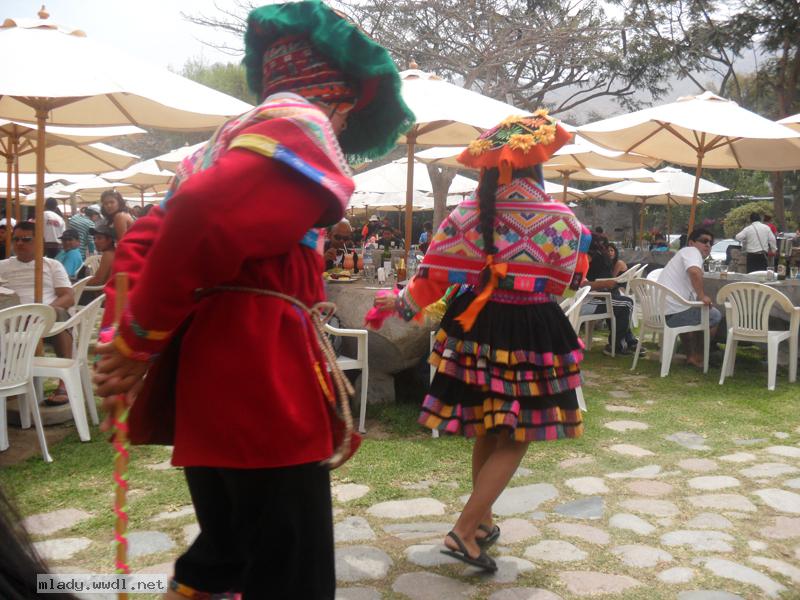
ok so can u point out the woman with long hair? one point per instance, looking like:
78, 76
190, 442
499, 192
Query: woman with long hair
506, 358
115, 210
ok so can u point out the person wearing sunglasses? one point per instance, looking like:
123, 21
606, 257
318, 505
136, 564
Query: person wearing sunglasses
340, 242
18, 271
683, 274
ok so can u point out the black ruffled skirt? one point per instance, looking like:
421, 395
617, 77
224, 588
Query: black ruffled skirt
516, 369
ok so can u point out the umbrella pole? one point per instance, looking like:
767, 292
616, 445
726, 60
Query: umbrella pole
41, 117
566, 183
669, 217
141, 196
697, 173
17, 208
641, 223
411, 138
9, 171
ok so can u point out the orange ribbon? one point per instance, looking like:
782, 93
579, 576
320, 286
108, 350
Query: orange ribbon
497, 271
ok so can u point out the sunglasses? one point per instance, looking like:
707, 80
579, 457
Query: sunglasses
341, 238
17, 240
705, 241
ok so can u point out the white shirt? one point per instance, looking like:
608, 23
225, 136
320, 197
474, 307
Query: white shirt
53, 227
756, 238
675, 276
19, 277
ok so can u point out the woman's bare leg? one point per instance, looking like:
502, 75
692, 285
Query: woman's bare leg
483, 448
491, 480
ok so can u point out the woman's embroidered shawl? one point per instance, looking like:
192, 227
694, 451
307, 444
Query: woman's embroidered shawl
537, 237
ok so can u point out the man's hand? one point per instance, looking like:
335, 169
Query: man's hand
330, 254
117, 374
385, 302
706, 300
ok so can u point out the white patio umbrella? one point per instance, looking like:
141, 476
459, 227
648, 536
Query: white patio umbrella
143, 176
57, 75
171, 160
446, 115
92, 189
676, 188
603, 174
445, 156
574, 159
391, 178
792, 122
70, 150
701, 131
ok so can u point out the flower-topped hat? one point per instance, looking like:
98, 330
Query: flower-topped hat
519, 141
311, 50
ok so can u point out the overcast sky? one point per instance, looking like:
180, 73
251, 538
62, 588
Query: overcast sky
152, 30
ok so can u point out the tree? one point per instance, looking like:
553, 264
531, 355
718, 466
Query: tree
228, 78
739, 217
697, 37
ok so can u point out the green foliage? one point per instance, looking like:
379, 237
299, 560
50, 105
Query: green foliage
227, 78
737, 218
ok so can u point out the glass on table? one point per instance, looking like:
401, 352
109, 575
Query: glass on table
793, 272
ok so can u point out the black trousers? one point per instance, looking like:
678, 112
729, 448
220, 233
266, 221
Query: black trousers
267, 533
756, 261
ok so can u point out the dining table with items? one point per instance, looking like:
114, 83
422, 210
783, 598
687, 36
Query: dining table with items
397, 345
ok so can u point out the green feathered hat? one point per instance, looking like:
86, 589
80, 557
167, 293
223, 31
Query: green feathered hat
380, 116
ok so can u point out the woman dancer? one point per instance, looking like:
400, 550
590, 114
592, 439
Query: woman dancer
506, 356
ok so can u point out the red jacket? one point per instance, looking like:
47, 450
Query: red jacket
247, 394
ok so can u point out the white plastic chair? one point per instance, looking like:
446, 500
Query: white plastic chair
359, 362
747, 309
590, 320
572, 307
572, 310
91, 263
636, 272
74, 372
652, 298
77, 290
21, 328
654, 274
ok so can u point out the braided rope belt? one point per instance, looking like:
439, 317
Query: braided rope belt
318, 315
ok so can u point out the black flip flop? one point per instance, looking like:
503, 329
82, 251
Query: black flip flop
483, 560
492, 535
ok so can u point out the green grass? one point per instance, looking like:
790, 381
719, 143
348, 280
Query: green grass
397, 453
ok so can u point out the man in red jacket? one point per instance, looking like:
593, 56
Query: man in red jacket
220, 275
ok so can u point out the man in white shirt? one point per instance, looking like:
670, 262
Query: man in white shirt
758, 242
19, 273
683, 274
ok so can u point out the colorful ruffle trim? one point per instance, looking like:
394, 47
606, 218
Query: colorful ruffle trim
527, 425
445, 346
541, 383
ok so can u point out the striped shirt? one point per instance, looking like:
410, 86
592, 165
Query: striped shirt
82, 225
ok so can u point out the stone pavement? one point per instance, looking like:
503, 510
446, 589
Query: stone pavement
719, 520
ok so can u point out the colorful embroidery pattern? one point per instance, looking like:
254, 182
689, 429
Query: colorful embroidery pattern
539, 238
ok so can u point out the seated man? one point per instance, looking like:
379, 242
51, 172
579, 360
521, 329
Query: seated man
600, 267
389, 240
18, 271
70, 256
340, 242
683, 274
